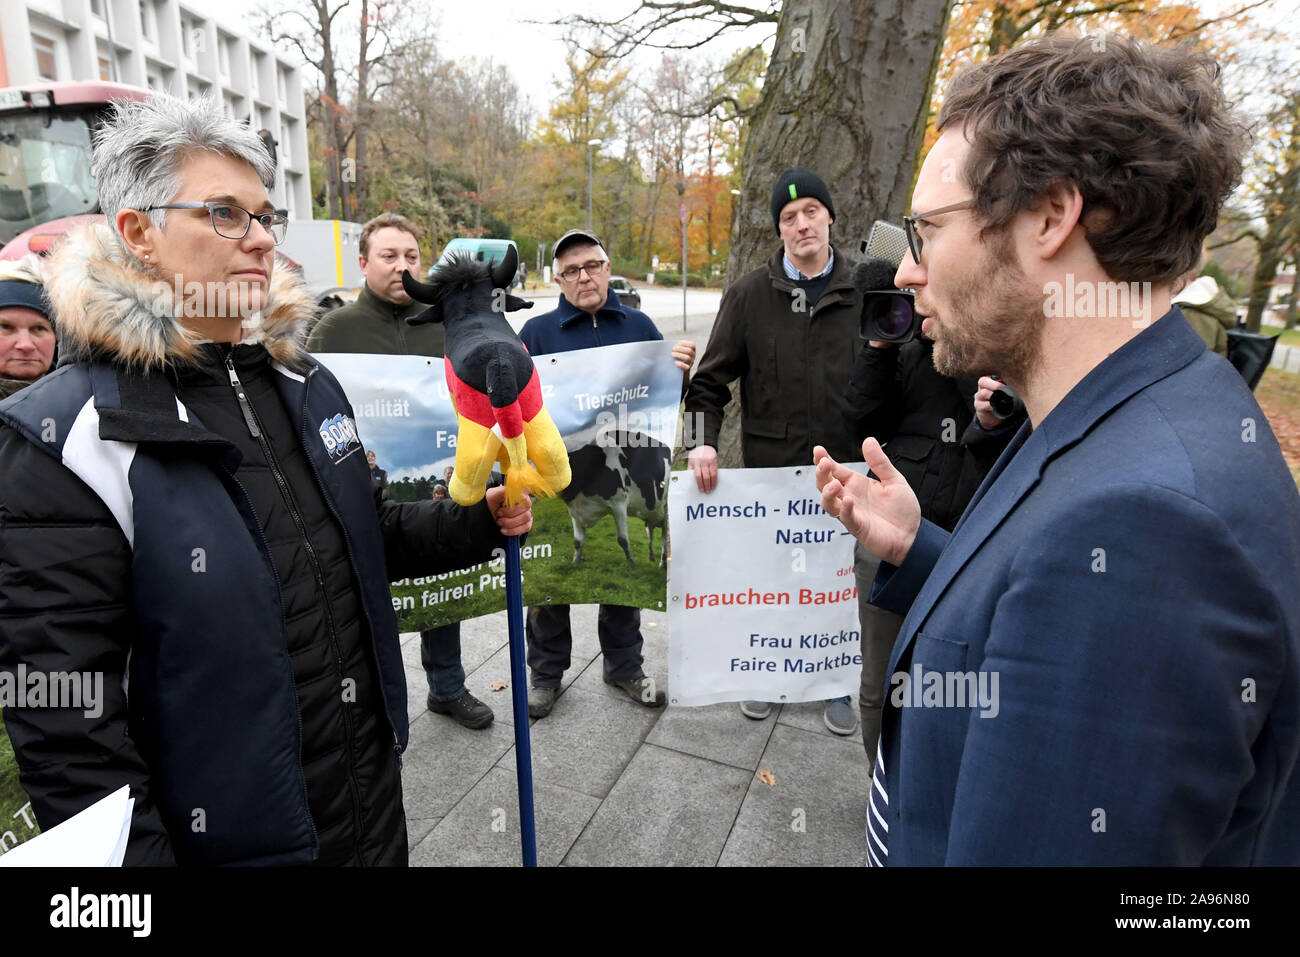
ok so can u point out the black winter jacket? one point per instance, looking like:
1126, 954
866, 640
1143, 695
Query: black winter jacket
225, 565
928, 421
793, 361
375, 326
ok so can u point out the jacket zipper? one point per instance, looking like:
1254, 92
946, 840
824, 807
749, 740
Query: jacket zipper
401, 333
250, 417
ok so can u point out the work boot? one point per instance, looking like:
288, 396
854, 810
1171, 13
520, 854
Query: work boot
541, 701
640, 689
467, 710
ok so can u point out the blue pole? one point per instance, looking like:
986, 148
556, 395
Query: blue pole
519, 689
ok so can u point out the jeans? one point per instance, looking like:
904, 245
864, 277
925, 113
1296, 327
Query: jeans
879, 632
550, 641
440, 655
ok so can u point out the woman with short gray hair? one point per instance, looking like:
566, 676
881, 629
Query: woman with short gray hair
179, 521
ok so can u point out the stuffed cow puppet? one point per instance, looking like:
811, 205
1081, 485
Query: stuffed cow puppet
494, 386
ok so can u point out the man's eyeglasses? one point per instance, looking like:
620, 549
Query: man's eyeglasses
909, 225
232, 222
592, 268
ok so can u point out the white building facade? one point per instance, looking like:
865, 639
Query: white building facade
172, 47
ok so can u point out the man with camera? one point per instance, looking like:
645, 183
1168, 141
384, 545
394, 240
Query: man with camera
1120, 594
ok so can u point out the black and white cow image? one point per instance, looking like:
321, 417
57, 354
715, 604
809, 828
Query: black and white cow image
622, 474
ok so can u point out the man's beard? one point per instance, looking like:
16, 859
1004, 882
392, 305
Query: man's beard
1000, 326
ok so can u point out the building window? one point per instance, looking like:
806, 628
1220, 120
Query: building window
97, 8
45, 62
223, 47
105, 69
187, 42
280, 83
145, 31
285, 143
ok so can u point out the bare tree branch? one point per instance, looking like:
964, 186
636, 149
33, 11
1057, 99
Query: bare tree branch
639, 27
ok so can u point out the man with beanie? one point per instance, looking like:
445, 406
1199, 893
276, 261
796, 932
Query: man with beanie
26, 327
789, 332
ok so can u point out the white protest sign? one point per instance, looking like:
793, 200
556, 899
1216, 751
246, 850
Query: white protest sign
762, 602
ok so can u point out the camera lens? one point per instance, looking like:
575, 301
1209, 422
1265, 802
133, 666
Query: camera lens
886, 317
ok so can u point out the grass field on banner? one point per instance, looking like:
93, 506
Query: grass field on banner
550, 578
12, 797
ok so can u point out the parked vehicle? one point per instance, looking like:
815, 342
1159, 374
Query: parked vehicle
626, 292
490, 251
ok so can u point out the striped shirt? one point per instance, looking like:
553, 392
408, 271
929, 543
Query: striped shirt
877, 828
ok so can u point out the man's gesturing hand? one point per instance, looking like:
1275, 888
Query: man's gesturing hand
884, 516
511, 521
703, 461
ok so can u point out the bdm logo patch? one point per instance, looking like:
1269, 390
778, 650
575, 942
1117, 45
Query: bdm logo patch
340, 437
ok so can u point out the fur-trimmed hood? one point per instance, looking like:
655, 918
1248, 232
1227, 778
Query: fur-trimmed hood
109, 308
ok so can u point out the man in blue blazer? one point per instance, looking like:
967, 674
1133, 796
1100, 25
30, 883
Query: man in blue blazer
1101, 663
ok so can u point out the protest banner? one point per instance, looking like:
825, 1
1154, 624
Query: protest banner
762, 601
616, 407
17, 823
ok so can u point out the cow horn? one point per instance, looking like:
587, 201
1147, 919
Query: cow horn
505, 270
419, 291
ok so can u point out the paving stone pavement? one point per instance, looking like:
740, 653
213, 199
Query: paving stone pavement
618, 784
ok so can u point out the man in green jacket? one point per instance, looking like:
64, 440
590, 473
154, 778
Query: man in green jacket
376, 324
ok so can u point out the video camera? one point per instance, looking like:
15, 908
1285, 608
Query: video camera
888, 313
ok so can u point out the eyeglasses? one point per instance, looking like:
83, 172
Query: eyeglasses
592, 268
909, 225
232, 222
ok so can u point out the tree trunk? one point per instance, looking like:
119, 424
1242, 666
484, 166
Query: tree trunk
1269, 259
1292, 307
846, 95
362, 117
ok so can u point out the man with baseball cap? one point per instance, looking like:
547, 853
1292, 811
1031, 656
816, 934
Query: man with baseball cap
789, 332
26, 328
589, 315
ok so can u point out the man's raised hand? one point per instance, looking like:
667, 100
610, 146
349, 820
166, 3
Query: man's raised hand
883, 515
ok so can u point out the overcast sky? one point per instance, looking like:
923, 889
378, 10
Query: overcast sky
496, 29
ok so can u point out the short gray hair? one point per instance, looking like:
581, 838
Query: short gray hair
141, 145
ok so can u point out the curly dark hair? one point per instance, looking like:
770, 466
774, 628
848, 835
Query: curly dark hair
1145, 133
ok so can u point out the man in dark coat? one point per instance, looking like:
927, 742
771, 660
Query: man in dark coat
789, 332
376, 324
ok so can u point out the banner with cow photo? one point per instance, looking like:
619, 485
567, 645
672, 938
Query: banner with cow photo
602, 541
762, 603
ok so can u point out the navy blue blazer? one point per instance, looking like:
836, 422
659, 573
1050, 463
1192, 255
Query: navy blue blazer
1130, 573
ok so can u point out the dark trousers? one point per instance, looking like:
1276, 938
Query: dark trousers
440, 655
550, 641
879, 632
